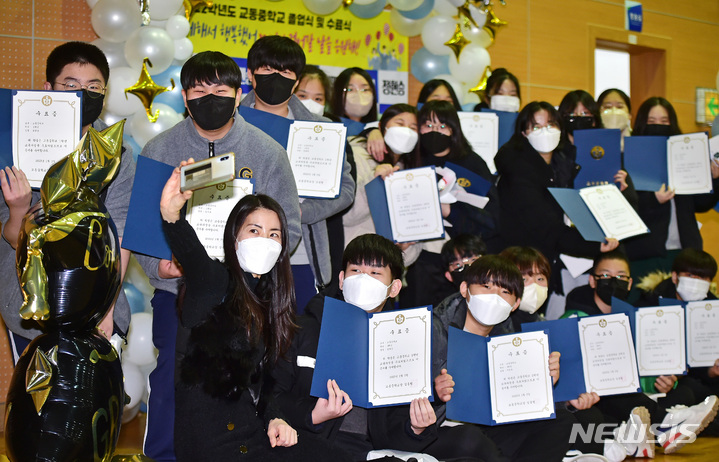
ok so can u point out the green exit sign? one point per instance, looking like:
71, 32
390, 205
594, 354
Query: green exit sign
707, 105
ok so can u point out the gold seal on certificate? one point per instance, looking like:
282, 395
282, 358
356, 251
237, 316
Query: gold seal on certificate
316, 151
45, 128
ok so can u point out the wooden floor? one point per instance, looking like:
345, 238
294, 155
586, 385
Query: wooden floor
704, 449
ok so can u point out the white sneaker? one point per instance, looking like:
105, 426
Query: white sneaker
632, 438
682, 424
574, 455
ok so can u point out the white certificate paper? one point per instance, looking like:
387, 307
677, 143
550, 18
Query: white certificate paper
660, 341
610, 363
45, 128
316, 151
614, 214
482, 131
688, 163
520, 384
209, 208
413, 203
400, 357
702, 333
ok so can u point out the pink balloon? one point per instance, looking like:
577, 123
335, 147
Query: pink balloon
391, 36
386, 28
378, 35
400, 48
367, 39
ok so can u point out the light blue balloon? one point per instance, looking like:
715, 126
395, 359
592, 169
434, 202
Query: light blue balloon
130, 141
425, 65
368, 11
135, 298
420, 12
172, 98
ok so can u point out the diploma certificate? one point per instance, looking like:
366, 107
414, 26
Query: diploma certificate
613, 213
660, 341
45, 128
316, 151
400, 356
209, 208
413, 203
520, 384
688, 163
702, 333
610, 364
482, 131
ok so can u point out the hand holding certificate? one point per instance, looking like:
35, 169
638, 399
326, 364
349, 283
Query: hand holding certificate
501, 379
482, 131
379, 359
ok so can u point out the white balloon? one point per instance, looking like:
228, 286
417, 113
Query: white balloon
110, 118
114, 52
443, 7
358, 2
153, 43
436, 32
142, 130
470, 97
116, 102
477, 36
115, 20
163, 9
177, 26
405, 26
455, 83
183, 49
457, 3
139, 349
322, 7
161, 24
134, 383
406, 5
472, 62
91, 3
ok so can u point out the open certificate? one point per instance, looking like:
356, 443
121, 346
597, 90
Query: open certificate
45, 128
378, 359
688, 162
610, 364
660, 341
482, 131
316, 151
209, 208
505, 379
702, 333
613, 213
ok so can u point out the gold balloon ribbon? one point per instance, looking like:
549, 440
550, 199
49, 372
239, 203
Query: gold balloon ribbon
465, 14
96, 356
457, 42
145, 11
38, 376
93, 164
33, 277
146, 89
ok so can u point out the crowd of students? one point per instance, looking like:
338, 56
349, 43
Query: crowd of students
235, 363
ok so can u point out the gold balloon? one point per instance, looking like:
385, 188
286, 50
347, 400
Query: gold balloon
131, 458
348, 2
145, 11
457, 42
191, 7
465, 15
146, 89
493, 23
481, 87
38, 377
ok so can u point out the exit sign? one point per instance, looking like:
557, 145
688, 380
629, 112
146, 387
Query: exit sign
707, 105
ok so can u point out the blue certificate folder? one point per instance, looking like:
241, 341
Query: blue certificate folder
143, 228
645, 159
468, 363
343, 352
470, 181
600, 155
507, 120
577, 211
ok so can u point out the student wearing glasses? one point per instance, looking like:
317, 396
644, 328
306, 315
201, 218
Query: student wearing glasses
354, 96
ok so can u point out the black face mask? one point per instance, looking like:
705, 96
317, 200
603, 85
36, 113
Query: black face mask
273, 88
578, 123
432, 143
611, 287
657, 130
211, 111
92, 103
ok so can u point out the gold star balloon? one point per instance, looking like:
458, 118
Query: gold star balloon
192, 6
465, 15
481, 87
38, 377
493, 23
146, 89
457, 42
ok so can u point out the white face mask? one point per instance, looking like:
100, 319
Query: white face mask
257, 255
489, 309
400, 140
504, 103
615, 118
358, 104
313, 106
692, 289
534, 296
364, 291
545, 139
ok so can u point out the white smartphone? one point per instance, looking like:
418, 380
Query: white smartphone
208, 172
